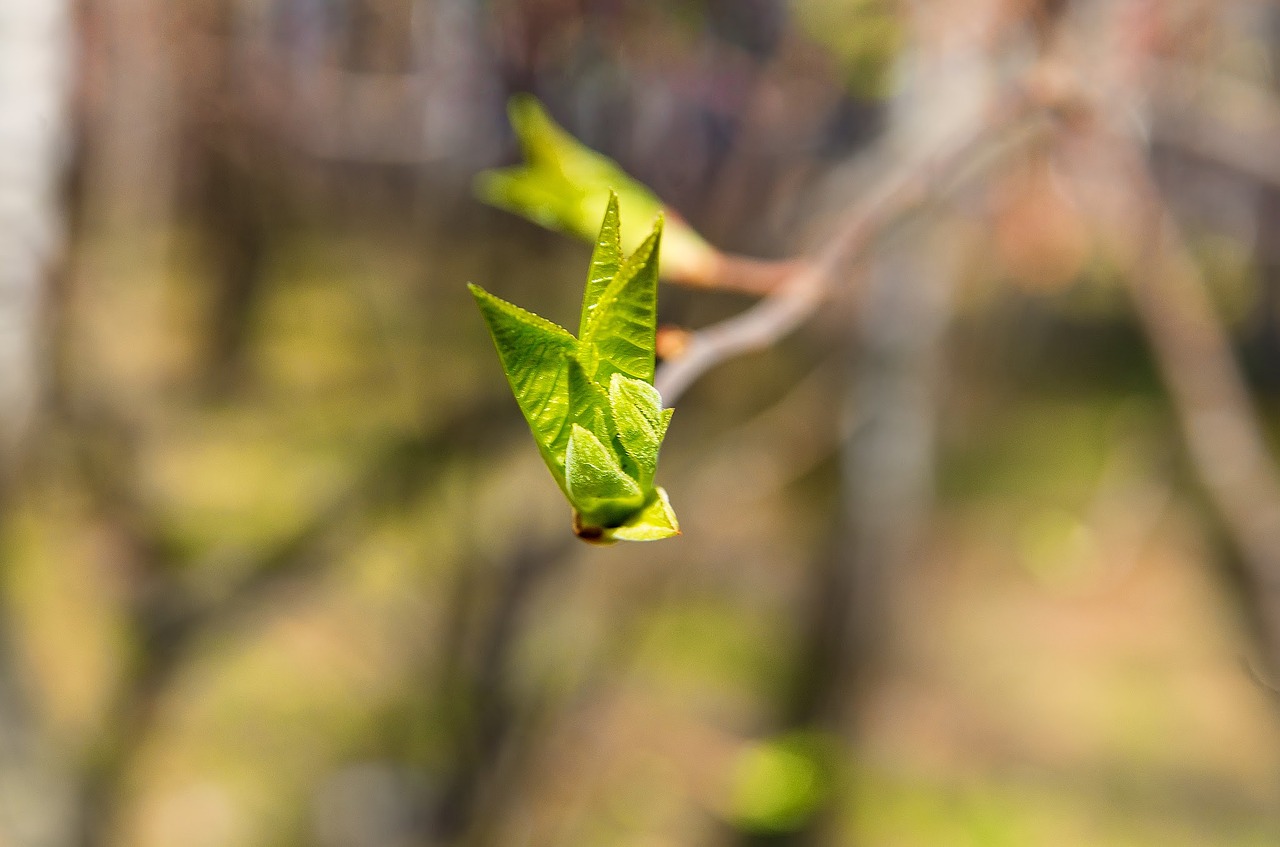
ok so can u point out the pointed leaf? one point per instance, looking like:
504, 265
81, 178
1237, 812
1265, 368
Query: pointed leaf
535, 194
565, 183
639, 421
546, 144
657, 520
588, 405
623, 326
606, 259
597, 487
535, 356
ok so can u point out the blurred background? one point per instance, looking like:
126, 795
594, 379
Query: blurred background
981, 555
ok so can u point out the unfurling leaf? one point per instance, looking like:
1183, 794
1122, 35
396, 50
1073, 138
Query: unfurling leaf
603, 494
563, 184
590, 401
640, 421
652, 523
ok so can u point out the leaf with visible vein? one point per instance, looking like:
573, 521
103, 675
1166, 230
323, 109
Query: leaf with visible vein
606, 259
590, 401
535, 356
597, 486
640, 422
588, 404
622, 325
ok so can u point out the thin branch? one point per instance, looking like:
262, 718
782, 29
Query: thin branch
1217, 117
741, 274
1223, 435
908, 186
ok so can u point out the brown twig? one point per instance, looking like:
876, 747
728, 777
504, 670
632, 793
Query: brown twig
908, 185
741, 274
1216, 117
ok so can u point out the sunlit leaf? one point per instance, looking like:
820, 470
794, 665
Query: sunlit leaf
606, 259
598, 488
565, 185
588, 405
640, 422
535, 356
590, 401
656, 521
622, 324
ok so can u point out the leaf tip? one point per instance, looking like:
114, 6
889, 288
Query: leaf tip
486, 301
653, 242
523, 107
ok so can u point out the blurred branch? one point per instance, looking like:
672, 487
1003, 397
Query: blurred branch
1235, 123
908, 186
1221, 118
1193, 353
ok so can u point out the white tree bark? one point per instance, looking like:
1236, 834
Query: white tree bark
35, 60
35, 54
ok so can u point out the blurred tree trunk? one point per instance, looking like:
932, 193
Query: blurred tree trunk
231, 208
886, 491
887, 466
887, 459
1262, 341
459, 85
35, 66
887, 463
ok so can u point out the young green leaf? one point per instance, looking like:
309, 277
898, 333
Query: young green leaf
564, 184
640, 422
654, 522
622, 324
606, 259
590, 401
588, 404
535, 356
602, 493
